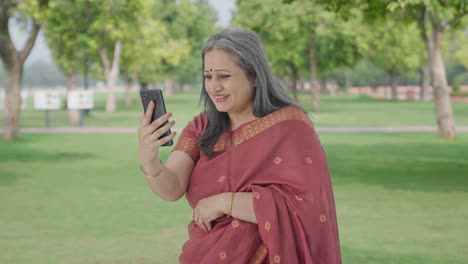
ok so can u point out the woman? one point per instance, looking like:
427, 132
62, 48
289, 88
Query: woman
251, 165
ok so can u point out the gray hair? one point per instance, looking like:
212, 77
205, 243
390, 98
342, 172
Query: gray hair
269, 95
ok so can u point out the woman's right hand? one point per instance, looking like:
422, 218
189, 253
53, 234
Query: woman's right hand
149, 141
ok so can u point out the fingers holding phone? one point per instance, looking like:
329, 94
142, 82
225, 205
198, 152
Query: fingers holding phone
155, 127
155, 108
148, 114
160, 131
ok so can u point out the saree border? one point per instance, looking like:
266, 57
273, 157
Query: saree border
259, 255
252, 129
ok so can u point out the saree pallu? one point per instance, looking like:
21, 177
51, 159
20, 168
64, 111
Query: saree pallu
280, 160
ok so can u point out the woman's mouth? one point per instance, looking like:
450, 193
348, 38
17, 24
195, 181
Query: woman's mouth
221, 98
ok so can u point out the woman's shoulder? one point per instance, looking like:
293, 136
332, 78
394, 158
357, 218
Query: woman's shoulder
198, 124
290, 113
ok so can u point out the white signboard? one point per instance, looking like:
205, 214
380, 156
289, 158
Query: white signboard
47, 100
24, 99
80, 99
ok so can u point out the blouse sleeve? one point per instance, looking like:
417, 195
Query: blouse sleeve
188, 140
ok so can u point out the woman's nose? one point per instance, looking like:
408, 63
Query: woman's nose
216, 85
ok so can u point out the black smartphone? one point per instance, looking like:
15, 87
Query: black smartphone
155, 95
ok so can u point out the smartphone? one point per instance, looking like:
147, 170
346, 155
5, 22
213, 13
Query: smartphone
156, 95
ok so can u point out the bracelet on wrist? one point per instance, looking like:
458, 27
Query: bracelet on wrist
231, 202
153, 176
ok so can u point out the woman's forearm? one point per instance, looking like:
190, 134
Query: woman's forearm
165, 185
242, 206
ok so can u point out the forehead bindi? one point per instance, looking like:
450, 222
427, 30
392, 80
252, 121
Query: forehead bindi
217, 61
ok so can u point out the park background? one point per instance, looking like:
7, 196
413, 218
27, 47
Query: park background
73, 193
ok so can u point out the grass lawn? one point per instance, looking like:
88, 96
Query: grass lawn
401, 198
335, 111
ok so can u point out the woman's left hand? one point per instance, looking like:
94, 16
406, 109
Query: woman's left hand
209, 209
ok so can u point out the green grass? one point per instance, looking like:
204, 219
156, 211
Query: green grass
335, 111
401, 198
350, 110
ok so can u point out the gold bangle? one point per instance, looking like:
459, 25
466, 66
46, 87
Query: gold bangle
231, 202
151, 176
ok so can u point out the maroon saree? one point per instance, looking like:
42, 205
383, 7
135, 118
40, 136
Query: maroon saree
280, 160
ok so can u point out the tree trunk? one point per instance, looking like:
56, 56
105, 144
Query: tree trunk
314, 84
11, 115
443, 105
425, 82
70, 84
347, 79
394, 80
178, 87
13, 61
131, 82
293, 79
111, 72
301, 85
293, 86
323, 86
169, 86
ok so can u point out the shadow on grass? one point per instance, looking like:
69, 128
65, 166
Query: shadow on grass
25, 155
357, 256
8, 177
18, 154
419, 167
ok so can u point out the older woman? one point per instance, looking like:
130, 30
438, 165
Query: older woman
251, 165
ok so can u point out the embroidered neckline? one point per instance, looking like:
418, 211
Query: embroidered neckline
257, 126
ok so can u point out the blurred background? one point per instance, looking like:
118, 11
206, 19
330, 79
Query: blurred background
385, 83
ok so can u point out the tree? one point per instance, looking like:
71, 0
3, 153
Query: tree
325, 40
64, 31
197, 22
190, 22
279, 30
150, 47
110, 22
435, 17
395, 47
32, 12
441, 16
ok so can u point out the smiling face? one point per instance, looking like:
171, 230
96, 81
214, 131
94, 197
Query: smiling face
227, 84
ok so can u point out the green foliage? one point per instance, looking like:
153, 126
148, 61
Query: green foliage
168, 41
76, 27
148, 46
446, 13
396, 47
459, 39
191, 22
288, 29
66, 34
365, 73
34, 9
277, 26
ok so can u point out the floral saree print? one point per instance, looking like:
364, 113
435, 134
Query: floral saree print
280, 160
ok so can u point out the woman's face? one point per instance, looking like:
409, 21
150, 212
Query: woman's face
227, 84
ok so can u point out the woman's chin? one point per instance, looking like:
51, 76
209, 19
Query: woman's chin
221, 108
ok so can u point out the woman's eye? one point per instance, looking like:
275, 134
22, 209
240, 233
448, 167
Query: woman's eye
223, 76
208, 77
